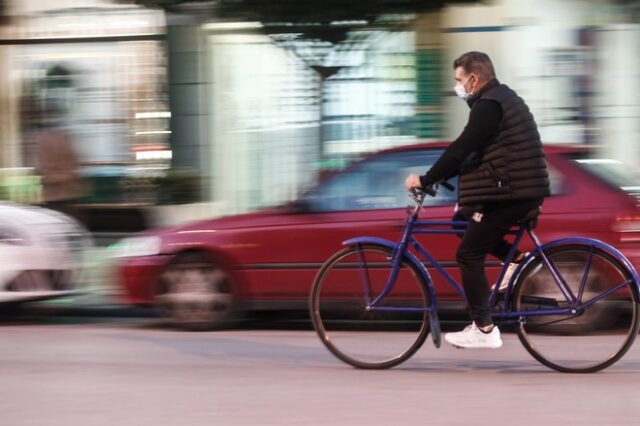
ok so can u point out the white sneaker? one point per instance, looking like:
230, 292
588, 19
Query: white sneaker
508, 274
473, 337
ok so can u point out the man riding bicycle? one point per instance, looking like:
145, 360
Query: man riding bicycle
503, 176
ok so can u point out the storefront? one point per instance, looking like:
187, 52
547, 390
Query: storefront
103, 70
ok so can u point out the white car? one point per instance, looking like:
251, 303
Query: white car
41, 254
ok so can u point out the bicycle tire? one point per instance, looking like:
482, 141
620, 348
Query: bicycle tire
331, 301
565, 342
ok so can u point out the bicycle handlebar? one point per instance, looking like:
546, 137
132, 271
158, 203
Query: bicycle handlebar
419, 194
448, 186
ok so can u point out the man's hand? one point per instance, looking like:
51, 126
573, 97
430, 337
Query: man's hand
412, 181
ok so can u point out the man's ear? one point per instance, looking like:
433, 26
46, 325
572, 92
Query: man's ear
476, 81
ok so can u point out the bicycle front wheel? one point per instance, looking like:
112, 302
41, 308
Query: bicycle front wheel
603, 324
359, 334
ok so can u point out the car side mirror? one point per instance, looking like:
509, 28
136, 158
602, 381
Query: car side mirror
299, 206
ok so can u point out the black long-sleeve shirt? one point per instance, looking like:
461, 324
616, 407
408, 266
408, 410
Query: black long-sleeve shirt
484, 120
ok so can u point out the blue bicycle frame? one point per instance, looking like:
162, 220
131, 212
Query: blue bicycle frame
505, 312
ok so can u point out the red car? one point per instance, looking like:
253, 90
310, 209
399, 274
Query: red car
202, 274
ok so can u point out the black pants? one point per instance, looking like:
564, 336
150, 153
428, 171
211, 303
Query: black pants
485, 235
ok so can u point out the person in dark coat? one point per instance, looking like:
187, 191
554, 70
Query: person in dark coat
503, 176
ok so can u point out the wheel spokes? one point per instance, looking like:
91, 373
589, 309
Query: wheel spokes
585, 274
364, 276
592, 332
349, 327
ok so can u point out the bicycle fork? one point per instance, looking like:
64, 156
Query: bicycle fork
370, 305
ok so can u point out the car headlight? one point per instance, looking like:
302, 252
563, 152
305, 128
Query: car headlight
136, 247
12, 236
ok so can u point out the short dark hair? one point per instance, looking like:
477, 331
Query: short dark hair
476, 62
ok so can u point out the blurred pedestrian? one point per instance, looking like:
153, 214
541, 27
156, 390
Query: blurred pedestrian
56, 158
57, 164
503, 176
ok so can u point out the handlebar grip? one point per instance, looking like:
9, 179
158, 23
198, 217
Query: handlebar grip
448, 185
430, 190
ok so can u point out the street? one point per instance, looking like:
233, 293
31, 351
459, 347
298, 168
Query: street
257, 167
138, 372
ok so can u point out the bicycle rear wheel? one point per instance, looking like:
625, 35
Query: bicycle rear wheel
599, 331
380, 337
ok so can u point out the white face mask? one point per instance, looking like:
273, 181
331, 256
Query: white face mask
461, 92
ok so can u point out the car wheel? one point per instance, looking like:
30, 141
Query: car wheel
196, 293
34, 280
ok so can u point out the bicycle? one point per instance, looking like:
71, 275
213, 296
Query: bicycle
373, 303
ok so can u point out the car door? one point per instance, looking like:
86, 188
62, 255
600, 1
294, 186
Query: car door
367, 199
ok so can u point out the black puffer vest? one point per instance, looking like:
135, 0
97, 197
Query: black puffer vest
512, 166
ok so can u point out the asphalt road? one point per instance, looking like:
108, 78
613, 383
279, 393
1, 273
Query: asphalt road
133, 372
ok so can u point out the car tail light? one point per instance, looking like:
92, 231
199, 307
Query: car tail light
628, 228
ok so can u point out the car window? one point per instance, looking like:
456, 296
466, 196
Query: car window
613, 172
557, 181
378, 183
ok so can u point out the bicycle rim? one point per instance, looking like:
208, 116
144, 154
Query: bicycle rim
595, 336
369, 338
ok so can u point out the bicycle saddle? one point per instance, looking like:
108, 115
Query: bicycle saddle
531, 218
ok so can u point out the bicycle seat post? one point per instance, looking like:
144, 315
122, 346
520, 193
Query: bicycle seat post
533, 236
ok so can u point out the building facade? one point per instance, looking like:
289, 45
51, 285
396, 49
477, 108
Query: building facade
257, 115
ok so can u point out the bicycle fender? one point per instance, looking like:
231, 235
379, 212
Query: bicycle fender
434, 320
585, 242
604, 246
390, 244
